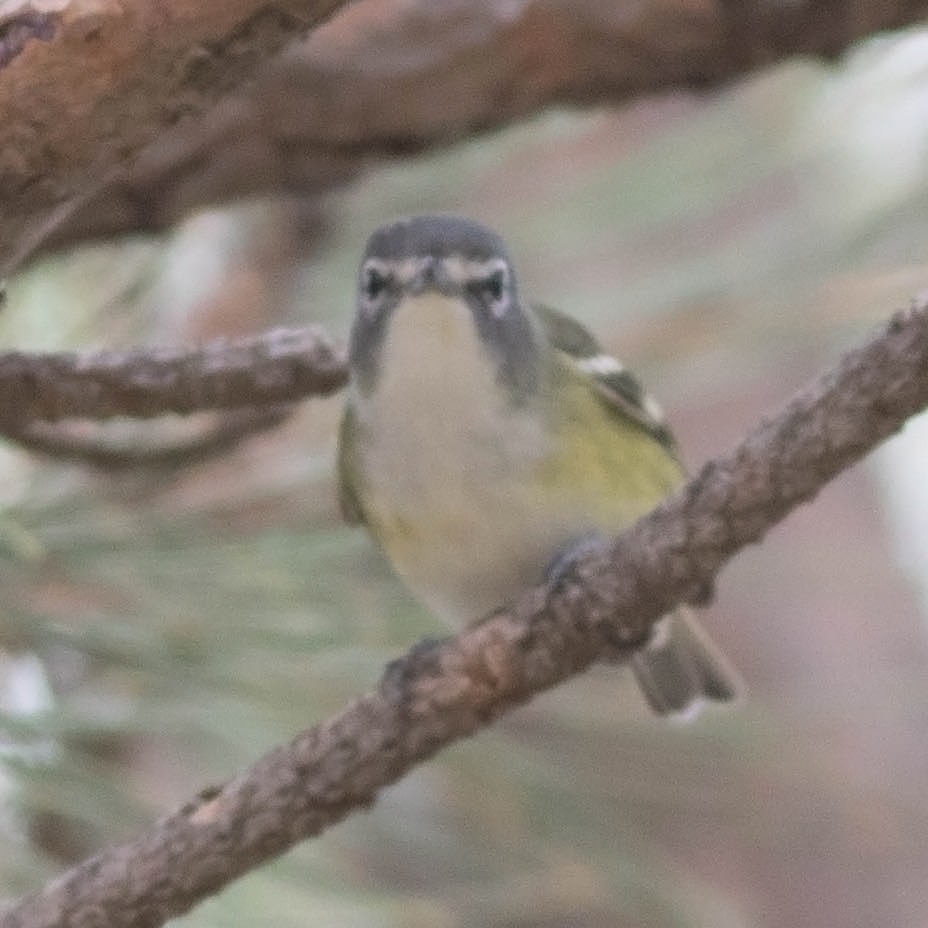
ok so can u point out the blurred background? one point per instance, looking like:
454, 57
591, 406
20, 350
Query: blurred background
162, 626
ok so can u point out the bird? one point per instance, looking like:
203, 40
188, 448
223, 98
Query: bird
487, 441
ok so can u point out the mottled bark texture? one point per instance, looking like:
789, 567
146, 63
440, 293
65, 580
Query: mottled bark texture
102, 125
253, 382
444, 691
281, 366
85, 85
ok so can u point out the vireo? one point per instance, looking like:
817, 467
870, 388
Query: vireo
486, 439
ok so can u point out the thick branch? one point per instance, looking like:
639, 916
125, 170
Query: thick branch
318, 115
439, 693
85, 85
279, 367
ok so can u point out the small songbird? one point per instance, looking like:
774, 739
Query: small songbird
485, 439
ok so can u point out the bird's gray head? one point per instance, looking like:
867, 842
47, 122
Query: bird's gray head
459, 260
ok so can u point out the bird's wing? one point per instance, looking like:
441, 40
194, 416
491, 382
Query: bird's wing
616, 386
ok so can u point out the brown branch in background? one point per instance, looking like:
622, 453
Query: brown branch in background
442, 692
282, 366
81, 100
85, 86
217, 438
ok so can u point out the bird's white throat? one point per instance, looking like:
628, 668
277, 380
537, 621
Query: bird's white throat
433, 356
438, 413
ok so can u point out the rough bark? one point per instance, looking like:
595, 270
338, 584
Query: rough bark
84, 86
444, 691
82, 90
280, 367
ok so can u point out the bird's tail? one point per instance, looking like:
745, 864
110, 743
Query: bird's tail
680, 668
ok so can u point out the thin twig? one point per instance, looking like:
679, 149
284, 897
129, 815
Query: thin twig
441, 692
217, 438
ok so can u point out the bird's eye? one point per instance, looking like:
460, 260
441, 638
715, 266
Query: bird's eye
492, 290
374, 283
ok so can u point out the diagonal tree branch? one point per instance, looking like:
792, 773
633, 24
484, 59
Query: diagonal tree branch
444, 691
84, 86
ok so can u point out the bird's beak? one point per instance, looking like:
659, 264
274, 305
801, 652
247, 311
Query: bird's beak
428, 276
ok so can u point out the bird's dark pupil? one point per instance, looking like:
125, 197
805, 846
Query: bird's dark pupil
492, 286
375, 284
